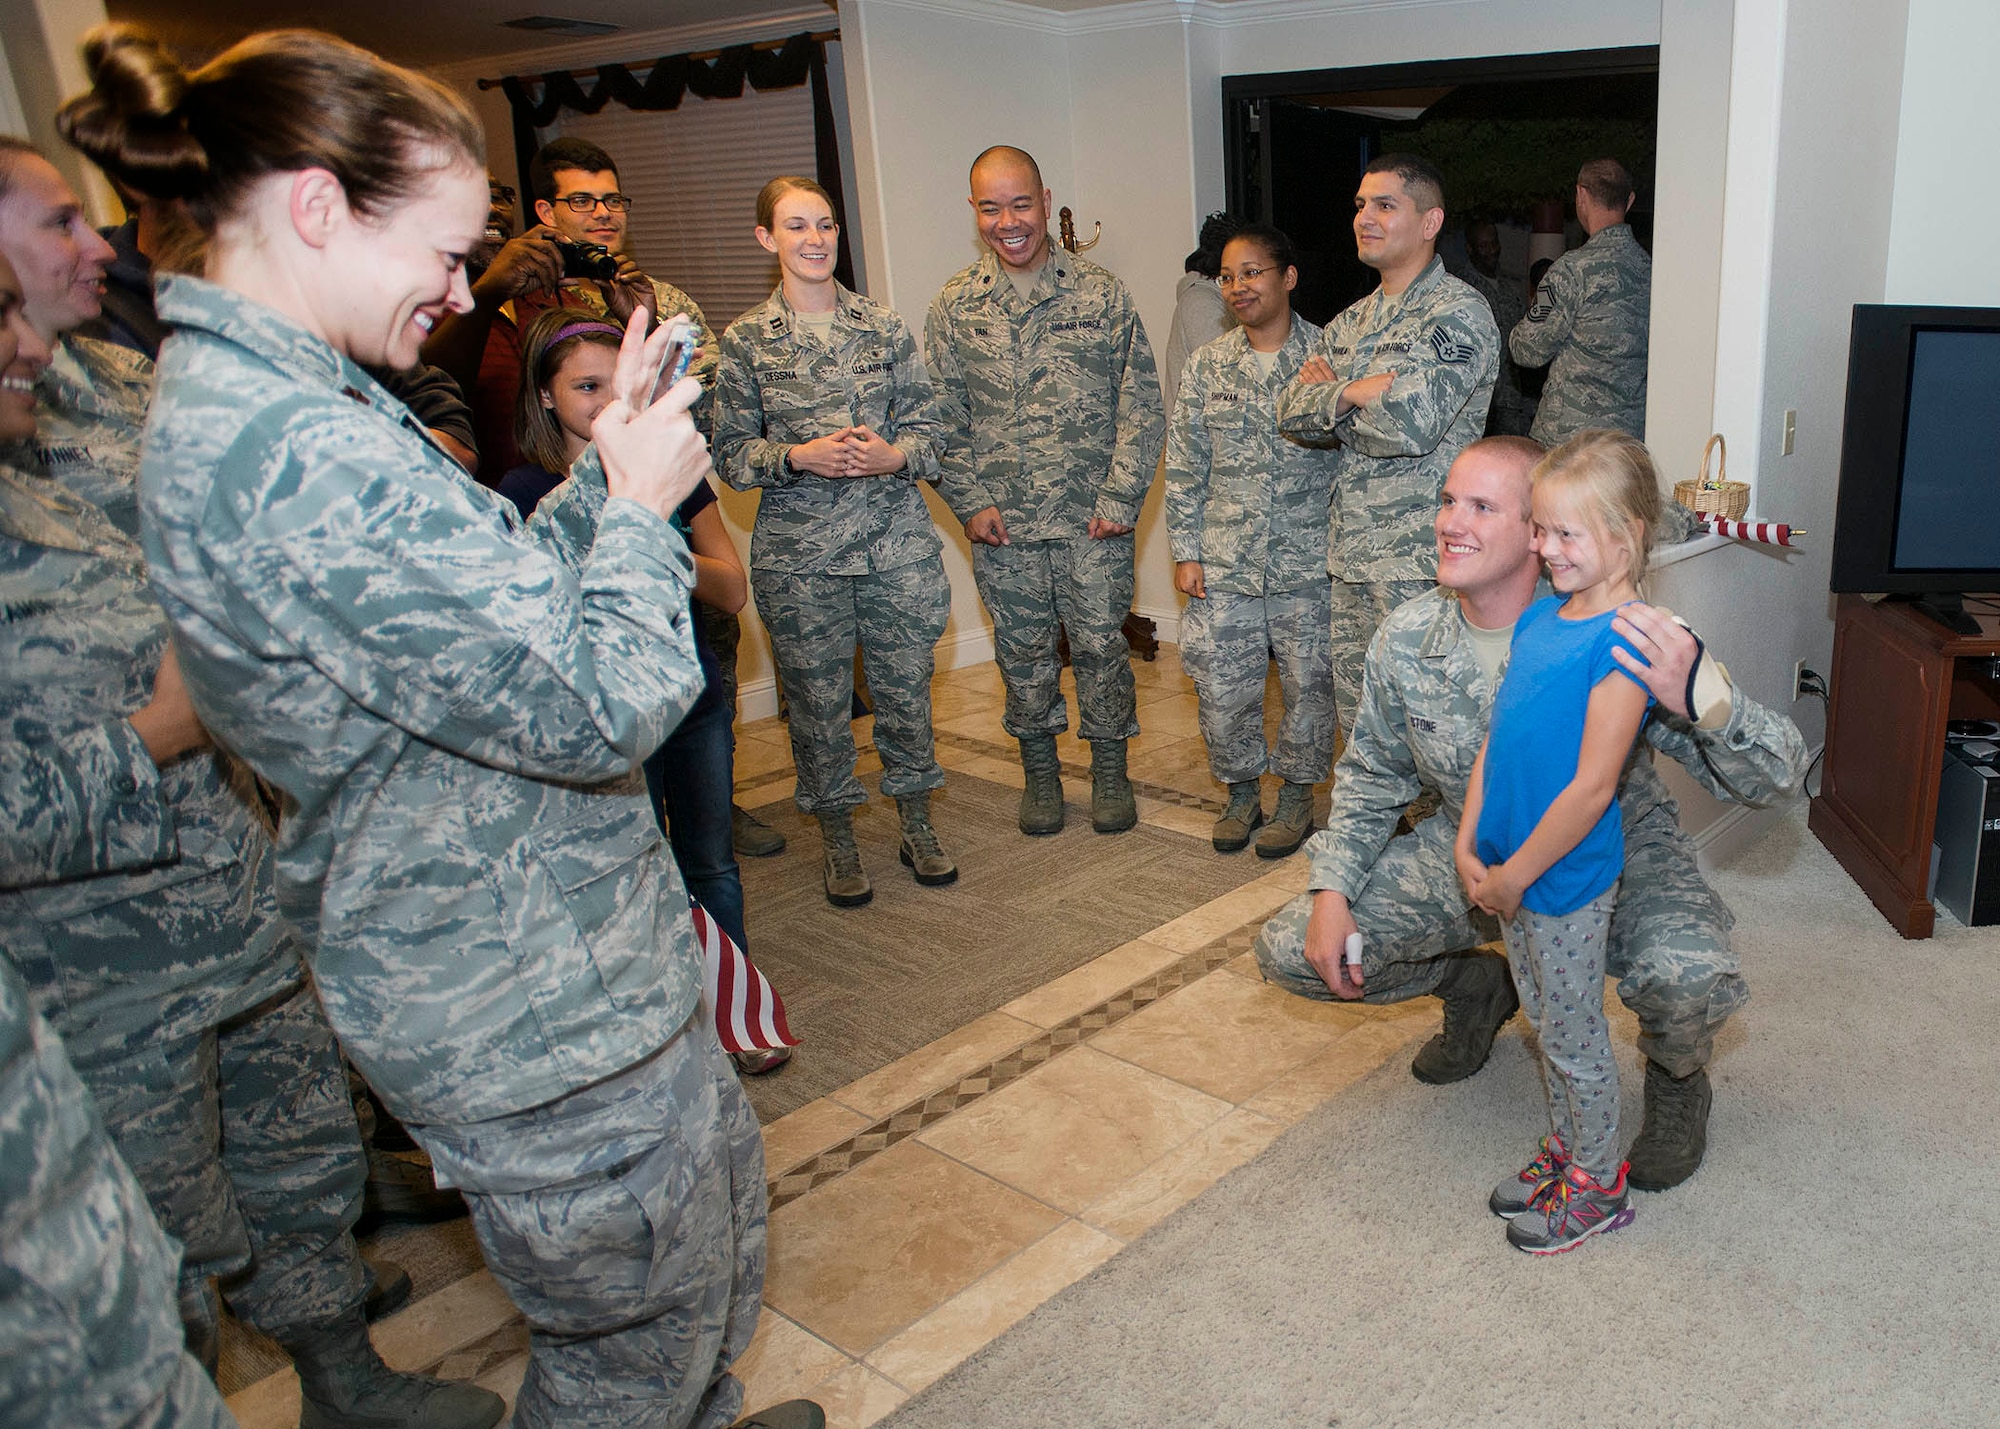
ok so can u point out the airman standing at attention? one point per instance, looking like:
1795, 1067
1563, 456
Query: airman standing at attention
1246, 516
1051, 401
822, 405
1402, 380
1590, 318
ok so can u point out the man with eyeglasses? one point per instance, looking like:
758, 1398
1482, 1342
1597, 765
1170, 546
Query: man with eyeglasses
1402, 380
574, 186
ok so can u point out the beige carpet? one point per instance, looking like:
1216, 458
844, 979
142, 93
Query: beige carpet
1835, 1262
864, 986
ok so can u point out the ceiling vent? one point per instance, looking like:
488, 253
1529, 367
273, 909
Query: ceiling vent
560, 25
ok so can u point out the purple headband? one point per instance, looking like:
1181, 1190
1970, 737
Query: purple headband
577, 329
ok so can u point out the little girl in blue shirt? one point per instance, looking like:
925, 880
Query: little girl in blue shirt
1541, 845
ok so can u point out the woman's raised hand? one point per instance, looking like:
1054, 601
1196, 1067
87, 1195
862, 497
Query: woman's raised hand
651, 450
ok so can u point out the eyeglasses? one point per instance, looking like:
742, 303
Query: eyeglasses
500, 193
1242, 279
584, 203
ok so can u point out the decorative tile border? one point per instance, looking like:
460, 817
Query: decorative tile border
900, 1125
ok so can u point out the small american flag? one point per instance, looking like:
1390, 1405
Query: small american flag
749, 1016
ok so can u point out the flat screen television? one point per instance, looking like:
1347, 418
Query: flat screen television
1919, 507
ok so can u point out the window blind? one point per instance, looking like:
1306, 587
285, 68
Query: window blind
693, 174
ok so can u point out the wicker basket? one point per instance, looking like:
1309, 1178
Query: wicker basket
1717, 496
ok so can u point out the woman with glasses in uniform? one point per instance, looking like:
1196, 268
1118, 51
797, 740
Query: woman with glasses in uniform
1248, 520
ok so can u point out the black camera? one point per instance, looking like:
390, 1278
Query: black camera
588, 260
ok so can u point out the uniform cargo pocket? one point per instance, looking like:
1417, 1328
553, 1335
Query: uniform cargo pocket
606, 868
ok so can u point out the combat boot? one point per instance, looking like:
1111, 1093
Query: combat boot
1240, 817
389, 1290
1112, 807
401, 1188
922, 854
343, 1384
751, 836
1675, 1135
1290, 824
847, 884
1478, 996
792, 1414
1042, 799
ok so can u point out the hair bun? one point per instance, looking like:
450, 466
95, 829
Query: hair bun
130, 122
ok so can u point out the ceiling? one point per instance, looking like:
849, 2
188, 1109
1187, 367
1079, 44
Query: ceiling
427, 32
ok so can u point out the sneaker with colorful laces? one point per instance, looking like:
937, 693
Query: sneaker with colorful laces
1519, 1192
1574, 1208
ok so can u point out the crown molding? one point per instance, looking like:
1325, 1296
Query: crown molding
633, 46
1139, 14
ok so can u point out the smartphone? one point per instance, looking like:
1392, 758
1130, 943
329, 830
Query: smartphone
673, 363
683, 354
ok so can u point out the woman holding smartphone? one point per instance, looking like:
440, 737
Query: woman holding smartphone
823, 404
568, 362
453, 704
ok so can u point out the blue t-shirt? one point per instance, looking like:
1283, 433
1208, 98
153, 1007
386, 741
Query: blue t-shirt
1535, 741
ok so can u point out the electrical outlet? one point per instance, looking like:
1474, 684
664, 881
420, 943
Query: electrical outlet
1806, 681
1791, 432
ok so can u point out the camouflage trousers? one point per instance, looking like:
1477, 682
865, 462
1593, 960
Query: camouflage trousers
1226, 644
1669, 946
86, 1277
815, 622
244, 1137
626, 1221
1038, 590
1359, 607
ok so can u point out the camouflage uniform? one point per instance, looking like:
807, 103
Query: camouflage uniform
836, 561
1440, 341
90, 404
1052, 404
139, 905
86, 1276
1589, 324
1252, 507
1513, 411
1420, 729
453, 703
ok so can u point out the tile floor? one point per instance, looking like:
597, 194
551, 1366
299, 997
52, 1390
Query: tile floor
924, 1209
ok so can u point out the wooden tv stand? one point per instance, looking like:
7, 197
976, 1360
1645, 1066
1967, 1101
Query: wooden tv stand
1898, 676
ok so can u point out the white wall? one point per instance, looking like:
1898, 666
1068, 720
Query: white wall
1840, 82
1131, 149
38, 49
1264, 36
1947, 207
1688, 193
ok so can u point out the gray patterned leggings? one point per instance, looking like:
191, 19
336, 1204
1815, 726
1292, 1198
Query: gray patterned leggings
1558, 965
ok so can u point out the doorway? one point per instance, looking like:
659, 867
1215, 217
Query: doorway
1508, 132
